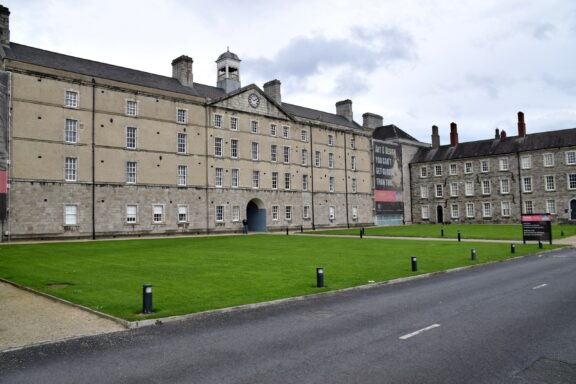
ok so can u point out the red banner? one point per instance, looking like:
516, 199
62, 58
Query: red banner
3, 181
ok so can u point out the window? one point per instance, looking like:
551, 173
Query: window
71, 131
157, 213
330, 140
304, 182
332, 213
353, 162
470, 211
131, 137
484, 166
254, 126
551, 206
131, 172
526, 162
486, 189
131, 213
487, 209
182, 143
504, 186
234, 123
469, 188
218, 146
528, 207
304, 135
572, 181
527, 184
549, 183
503, 164
424, 191
255, 179
255, 151
182, 175
354, 213
131, 108
274, 180
71, 99
455, 211
218, 177
354, 185
453, 169
353, 143
306, 212
423, 171
288, 212
274, 153
439, 190
425, 212
505, 208
235, 213
331, 184
548, 159
70, 168
234, 148
275, 212
219, 213
437, 170
234, 177
453, 189
273, 129
182, 213
287, 180
217, 120
570, 157
468, 167
70, 215
304, 155
317, 159
286, 155
181, 116
330, 160
286, 132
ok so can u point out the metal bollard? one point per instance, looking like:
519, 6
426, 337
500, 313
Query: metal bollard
442, 232
539, 244
512, 248
473, 254
286, 231
414, 264
361, 233
319, 277
301, 229
459, 238
147, 298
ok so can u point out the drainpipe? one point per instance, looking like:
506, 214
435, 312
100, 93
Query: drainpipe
313, 164
93, 159
520, 185
346, 181
206, 122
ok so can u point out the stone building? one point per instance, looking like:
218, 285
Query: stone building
495, 180
90, 149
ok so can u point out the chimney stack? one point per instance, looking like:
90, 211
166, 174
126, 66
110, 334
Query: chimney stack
4, 26
453, 134
182, 70
371, 120
435, 137
521, 125
344, 109
272, 89
497, 134
503, 135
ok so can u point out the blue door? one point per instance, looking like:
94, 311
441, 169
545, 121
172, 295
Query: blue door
256, 217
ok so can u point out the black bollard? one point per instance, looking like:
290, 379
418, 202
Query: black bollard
512, 248
301, 229
442, 232
286, 231
361, 233
319, 277
539, 244
147, 298
459, 238
562, 233
473, 254
414, 264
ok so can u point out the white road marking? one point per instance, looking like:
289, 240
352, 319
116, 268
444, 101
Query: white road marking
540, 286
405, 337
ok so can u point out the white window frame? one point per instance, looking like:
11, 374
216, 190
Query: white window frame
287, 181
486, 187
505, 208
527, 185
255, 179
304, 183
131, 172
331, 184
71, 214
273, 130
181, 143
504, 186
275, 212
354, 213
304, 135
218, 146
234, 147
235, 213
469, 188
254, 126
468, 167
182, 213
234, 123
548, 159
71, 98
274, 153
332, 213
438, 170
549, 186
571, 181
286, 154
470, 210
504, 164
218, 177
526, 162
423, 171
217, 120
331, 140
131, 213
570, 157
425, 212
484, 166
551, 206
158, 213
181, 116
528, 206
353, 163
131, 137
274, 184
330, 160
131, 108
486, 209
438, 190
317, 159
306, 212
219, 213
286, 131
453, 189
182, 175
455, 211
288, 213
304, 157
71, 131
234, 177
255, 151
424, 192
453, 169
70, 168
354, 185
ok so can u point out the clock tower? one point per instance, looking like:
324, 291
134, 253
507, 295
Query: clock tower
228, 66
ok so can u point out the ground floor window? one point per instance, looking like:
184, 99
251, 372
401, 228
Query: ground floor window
131, 213
455, 211
275, 212
306, 212
219, 213
470, 211
425, 211
236, 213
288, 212
70, 214
551, 206
528, 206
505, 208
158, 213
487, 209
354, 213
331, 213
182, 213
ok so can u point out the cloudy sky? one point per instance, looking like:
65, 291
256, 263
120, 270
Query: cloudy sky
417, 63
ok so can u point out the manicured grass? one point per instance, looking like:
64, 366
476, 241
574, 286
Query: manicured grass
197, 274
468, 231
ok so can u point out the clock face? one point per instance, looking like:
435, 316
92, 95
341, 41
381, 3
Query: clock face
254, 100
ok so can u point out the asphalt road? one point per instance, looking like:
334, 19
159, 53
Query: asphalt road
511, 322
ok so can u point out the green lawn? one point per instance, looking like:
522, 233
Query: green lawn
468, 231
198, 274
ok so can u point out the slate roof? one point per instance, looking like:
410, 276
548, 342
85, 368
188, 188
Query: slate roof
312, 114
228, 55
391, 131
494, 147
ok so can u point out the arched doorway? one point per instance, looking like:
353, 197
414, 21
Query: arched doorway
256, 216
439, 215
573, 209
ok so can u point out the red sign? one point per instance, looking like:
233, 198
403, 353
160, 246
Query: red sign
536, 217
3, 181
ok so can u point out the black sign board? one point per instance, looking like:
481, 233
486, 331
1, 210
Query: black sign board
537, 227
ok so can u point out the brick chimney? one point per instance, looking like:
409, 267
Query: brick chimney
521, 125
435, 137
272, 89
4, 26
182, 70
371, 120
453, 134
503, 135
344, 109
